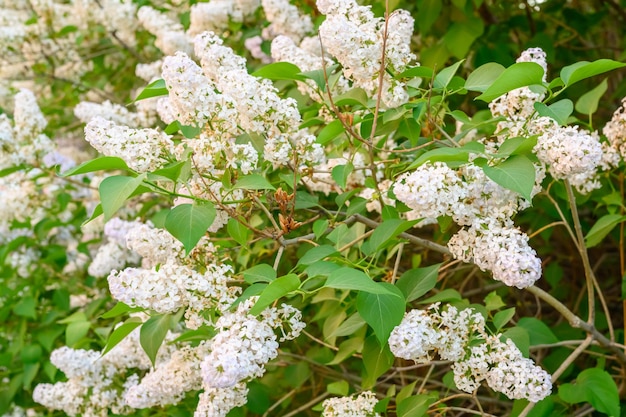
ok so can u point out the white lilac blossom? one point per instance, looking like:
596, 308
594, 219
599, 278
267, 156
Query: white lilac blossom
170, 34
171, 286
142, 149
503, 250
245, 343
114, 254
215, 15
284, 49
361, 405
285, 19
502, 366
259, 107
93, 387
432, 190
568, 151
86, 110
217, 402
193, 97
460, 336
253, 45
170, 380
615, 130
354, 37
425, 332
23, 141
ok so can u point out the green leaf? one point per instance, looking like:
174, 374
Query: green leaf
189, 222
98, 164
320, 227
482, 77
173, 171
97, 212
115, 190
517, 146
275, 290
316, 254
259, 273
330, 132
31, 353
558, 111
239, 232
596, 387
153, 333
516, 173
493, 301
449, 294
427, 13
588, 102
75, 331
341, 388
253, 182
460, 35
340, 174
352, 97
280, 71
154, 89
352, 279
601, 228
520, 337
388, 230
418, 281
26, 307
518, 75
443, 155
417, 72
415, 406
119, 309
503, 317
538, 332
376, 360
121, 332
349, 326
443, 78
584, 69
382, 312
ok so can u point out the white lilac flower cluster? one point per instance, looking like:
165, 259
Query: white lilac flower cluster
361, 405
142, 149
171, 286
568, 152
460, 337
93, 386
26, 43
120, 115
23, 141
286, 20
114, 254
170, 33
355, 38
307, 57
483, 208
216, 15
245, 343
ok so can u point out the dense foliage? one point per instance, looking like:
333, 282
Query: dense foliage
265, 207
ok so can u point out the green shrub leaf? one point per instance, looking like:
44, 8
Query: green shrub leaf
189, 222
275, 290
521, 74
516, 173
382, 312
153, 333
